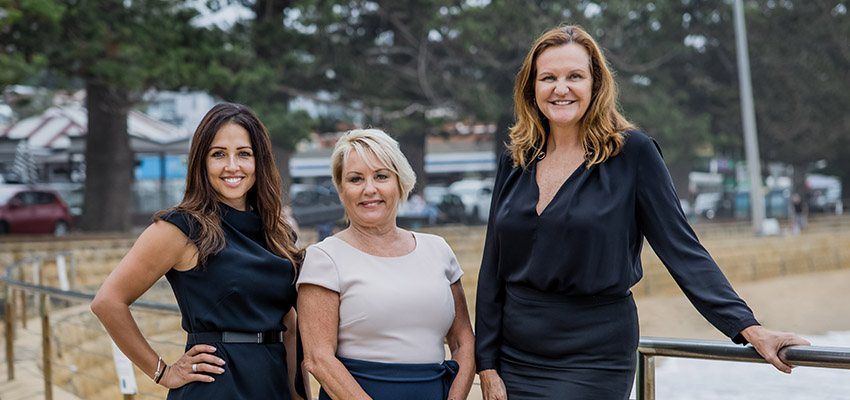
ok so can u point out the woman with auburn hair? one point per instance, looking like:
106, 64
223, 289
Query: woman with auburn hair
231, 260
573, 200
377, 302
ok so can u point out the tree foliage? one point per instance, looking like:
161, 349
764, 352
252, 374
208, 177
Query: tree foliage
410, 65
119, 49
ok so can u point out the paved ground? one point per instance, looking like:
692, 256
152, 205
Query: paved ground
28, 383
813, 304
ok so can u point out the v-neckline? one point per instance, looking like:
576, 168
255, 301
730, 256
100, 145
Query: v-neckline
558, 192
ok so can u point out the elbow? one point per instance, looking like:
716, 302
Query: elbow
316, 363
101, 305
310, 365
97, 306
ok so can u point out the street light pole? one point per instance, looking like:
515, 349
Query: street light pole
749, 119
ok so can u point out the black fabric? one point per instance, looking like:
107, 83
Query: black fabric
234, 337
245, 288
568, 347
588, 240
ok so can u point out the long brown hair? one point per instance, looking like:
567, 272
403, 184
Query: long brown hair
201, 202
601, 128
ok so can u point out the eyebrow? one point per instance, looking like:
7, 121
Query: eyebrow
225, 148
546, 71
377, 170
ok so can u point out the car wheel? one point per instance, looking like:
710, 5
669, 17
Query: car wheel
60, 229
4, 228
710, 214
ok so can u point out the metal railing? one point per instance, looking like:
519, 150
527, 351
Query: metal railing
648, 349
45, 294
651, 347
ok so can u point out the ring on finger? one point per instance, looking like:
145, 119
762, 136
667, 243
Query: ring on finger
194, 367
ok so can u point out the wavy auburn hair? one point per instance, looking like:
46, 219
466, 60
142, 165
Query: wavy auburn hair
201, 203
601, 128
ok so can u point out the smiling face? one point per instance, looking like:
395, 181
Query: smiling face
563, 84
370, 195
230, 165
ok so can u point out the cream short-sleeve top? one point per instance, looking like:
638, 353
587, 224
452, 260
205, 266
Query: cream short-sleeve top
391, 309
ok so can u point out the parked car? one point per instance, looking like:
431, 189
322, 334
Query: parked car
317, 206
476, 195
417, 212
715, 205
449, 206
25, 209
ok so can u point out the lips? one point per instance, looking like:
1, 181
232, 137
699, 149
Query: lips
563, 102
371, 203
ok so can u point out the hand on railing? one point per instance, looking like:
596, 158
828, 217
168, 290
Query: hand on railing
769, 344
193, 366
492, 386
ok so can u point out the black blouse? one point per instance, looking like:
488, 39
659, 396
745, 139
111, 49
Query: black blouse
588, 239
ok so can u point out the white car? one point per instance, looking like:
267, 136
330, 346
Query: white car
476, 195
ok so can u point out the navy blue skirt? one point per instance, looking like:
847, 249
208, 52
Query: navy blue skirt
568, 347
392, 381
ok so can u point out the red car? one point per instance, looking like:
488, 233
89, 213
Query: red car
24, 209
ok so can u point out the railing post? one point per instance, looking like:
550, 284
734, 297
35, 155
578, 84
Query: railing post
645, 377
45, 347
10, 333
23, 300
73, 257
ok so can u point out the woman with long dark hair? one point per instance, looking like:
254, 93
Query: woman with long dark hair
231, 260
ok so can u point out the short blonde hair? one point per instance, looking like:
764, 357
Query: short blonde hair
385, 149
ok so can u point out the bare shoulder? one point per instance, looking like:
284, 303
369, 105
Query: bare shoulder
165, 242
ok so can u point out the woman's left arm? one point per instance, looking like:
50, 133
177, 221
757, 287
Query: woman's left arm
290, 343
665, 226
461, 343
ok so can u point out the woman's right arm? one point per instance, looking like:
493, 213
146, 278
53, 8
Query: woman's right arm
488, 322
318, 319
489, 301
160, 247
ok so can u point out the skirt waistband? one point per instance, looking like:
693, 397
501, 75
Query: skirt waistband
530, 293
399, 372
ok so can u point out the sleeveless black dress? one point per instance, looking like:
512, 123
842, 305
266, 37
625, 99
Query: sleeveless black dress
244, 288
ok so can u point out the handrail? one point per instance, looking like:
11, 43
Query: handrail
802, 356
650, 347
70, 295
45, 293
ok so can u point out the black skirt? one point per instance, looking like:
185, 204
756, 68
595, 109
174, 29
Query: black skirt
568, 347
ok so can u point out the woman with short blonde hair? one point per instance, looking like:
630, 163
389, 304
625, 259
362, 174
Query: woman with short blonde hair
385, 149
377, 302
